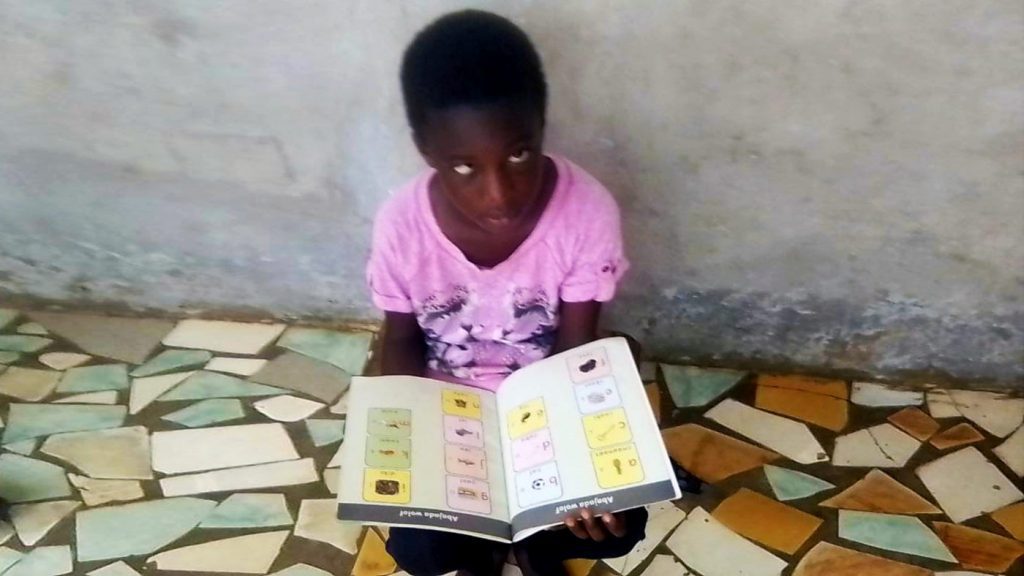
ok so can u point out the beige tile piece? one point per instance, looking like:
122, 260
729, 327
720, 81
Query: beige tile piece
654, 398
940, 404
246, 338
663, 519
252, 554
341, 406
878, 492
336, 459
237, 366
665, 565
107, 397
707, 546
115, 454
332, 479
787, 437
881, 446
287, 408
877, 395
966, 485
318, 521
30, 384
1011, 452
819, 409
34, 521
6, 531
765, 521
96, 492
118, 568
977, 549
145, 390
710, 455
826, 386
303, 374
1012, 519
125, 339
955, 436
915, 422
196, 450
997, 414
63, 360
276, 474
830, 560
373, 559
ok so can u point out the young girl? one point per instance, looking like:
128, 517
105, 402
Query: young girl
496, 257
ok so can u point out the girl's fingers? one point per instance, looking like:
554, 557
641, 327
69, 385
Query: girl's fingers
614, 524
577, 529
594, 528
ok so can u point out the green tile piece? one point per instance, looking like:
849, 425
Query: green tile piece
8, 357
7, 315
24, 447
324, 432
250, 511
95, 378
33, 328
22, 343
33, 420
138, 528
905, 534
207, 412
173, 361
202, 385
8, 558
28, 480
301, 570
43, 561
346, 350
792, 485
691, 386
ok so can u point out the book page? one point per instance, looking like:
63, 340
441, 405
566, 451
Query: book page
423, 453
578, 432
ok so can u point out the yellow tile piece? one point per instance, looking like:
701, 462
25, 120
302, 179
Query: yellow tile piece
654, 397
959, 435
710, 455
915, 422
977, 549
1012, 519
878, 492
766, 521
373, 558
826, 386
579, 566
819, 409
830, 560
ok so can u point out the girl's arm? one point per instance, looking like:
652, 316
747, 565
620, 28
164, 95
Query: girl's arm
404, 351
577, 324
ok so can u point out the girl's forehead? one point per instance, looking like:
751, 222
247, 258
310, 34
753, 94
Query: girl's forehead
473, 127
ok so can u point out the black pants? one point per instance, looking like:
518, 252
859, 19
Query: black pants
431, 553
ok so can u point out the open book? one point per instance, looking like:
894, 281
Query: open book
572, 431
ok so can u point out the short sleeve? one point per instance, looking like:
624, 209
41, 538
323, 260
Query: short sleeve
388, 286
598, 262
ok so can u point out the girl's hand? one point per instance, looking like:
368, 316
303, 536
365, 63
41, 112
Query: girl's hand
596, 527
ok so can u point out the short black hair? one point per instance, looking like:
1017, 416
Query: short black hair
471, 57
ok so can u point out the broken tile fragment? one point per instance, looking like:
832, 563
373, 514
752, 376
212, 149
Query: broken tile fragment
146, 390
940, 404
332, 476
873, 394
125, 339
287, 408
822, 410
252, 554
665, 565
130, 530
23, 343
9, 558
237, 366
830, 560
765, 521
789, 484
32, 328
202, 385
346, 350
712, 456
8, 357
915, 422
107, 397
179, 451
877, 492
323, 432
336, 459
979, 550
7, 315
63, 360
815, 385
691, 387
220, 336
663, 519
115, 454
373, 559
28, 384
341, 407
27, 421
301, 570
904, 534
27, 479
654, 399
24, 447
96, 492
94, 378
881, 446
578, 566
997, 414
787, 437
6, 531
206, 412
172, 361
708, 547
318, 521
958, 435
118, 568
43, 561
250, 511
306, 375
34, 521
1011, 452
966, 485
289, 473
1011, 518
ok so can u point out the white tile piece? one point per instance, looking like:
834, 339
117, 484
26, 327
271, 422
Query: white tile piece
252, 554
881, 395
63, 360
146, 390
787, 437
336, 459
32, 328
707, 546
1011, 452
180, 451
997, 414
663, 518
332, 479
881, 446
33, 521
29, 384
118, 568
8, 558
43, 561
115, 453
6, 531
220, 336
95, 492
290, 473
23, 447
341, 407
665, 565
237, 366
104, 397
318, 521
287, 408
940, 404
966, 485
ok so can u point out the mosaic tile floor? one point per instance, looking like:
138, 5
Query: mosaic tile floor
145, 446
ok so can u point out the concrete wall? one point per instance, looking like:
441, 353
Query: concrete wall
832, 183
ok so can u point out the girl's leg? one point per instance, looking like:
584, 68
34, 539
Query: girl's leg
431, 553
544, 552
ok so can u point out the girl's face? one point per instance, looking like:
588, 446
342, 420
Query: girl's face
489, 162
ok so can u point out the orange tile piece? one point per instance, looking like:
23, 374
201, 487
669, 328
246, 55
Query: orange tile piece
654, 397
764, 520
373, 559
579, 566
830, 560
818, 409
977, 549
712, 456
878, 492
1011, 518
826, 386
958, 435
915, 422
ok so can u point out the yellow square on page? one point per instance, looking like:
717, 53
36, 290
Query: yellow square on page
387, 486
607, 428
458, 403
526, 418
619, 466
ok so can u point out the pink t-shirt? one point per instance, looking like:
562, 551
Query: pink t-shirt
483, 324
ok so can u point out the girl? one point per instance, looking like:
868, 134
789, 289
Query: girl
496, 257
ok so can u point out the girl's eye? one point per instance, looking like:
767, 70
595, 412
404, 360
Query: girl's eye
519, 157
463, 169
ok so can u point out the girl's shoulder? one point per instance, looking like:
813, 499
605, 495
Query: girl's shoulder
583, 194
